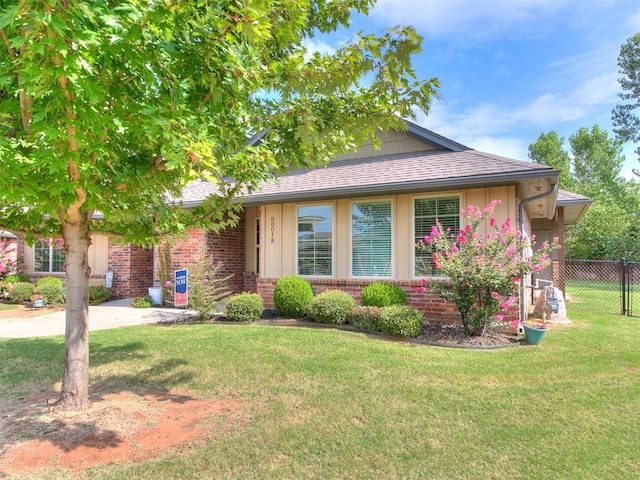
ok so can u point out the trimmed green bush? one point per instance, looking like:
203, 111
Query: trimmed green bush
381, 294
20, 292
244, 307
98, 294
401, 320
292, 296
17, 278
51, 292
365, 318
49, 281
331, 306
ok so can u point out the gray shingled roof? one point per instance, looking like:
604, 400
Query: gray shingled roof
397, 173
568, 198
428, 170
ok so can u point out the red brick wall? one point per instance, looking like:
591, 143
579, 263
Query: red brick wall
435, 308
226, 247
132, 268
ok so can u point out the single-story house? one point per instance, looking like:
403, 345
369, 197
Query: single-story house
351, 222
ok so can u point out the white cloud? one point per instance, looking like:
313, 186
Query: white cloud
472, 18
317, 46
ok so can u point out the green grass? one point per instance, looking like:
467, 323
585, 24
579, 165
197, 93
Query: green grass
593, 295
329, 404
7, 306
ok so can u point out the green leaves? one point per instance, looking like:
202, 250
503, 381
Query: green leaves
145, 97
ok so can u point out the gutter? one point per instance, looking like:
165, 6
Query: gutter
553, 190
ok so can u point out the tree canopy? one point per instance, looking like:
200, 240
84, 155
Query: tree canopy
625, 117
593, 168
109, 108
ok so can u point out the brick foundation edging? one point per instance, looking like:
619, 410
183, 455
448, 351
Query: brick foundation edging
435, 309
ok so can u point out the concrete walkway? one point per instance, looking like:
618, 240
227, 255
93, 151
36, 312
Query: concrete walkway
107, 315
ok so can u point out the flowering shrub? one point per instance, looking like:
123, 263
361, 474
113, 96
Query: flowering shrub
484, 270
8, 266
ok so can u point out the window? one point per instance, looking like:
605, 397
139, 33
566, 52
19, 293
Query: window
371, 239
315, 240
427, 211
48, 255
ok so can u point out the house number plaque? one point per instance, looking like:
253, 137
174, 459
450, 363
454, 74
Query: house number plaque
273, 229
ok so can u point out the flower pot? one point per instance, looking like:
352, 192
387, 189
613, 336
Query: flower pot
534, 335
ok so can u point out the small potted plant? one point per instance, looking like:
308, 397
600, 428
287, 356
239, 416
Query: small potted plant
37, 300
534, 331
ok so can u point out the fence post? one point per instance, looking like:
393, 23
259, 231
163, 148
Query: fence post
623, 285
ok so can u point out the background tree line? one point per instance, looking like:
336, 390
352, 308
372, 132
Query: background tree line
592, 166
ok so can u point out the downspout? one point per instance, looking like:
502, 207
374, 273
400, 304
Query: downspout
553, 190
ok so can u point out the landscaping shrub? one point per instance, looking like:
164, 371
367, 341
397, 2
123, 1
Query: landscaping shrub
401, 320
20, 292
141, 302
365, 318
16, 278
292, 296
244, 307
98, 294
381, 294
49, 281
52, 293
331, 306
206, 287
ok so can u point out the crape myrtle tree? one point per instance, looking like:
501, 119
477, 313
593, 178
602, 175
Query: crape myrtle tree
109, 108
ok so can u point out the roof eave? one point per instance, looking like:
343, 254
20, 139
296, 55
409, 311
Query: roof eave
404, 187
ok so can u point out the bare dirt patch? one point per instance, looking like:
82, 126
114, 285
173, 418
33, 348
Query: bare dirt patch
123, 426
26, 311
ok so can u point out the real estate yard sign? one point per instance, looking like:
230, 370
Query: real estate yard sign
181, 295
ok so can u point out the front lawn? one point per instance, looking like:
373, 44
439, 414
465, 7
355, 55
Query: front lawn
330, 404
7, 306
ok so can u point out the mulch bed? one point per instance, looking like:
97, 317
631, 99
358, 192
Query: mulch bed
433, 333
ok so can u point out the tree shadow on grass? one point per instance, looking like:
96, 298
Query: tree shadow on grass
36, 364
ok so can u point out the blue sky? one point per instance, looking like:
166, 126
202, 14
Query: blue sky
511, 69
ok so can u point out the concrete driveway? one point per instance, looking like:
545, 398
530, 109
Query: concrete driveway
107, 315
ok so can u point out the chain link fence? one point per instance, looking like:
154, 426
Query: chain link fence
595, 285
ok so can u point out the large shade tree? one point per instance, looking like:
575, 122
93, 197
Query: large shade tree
109, 108
593, 168
625, 117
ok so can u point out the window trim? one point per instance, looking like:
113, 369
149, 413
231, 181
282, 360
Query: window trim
392, 266
461, 202
257, 247
49, 270
331, 204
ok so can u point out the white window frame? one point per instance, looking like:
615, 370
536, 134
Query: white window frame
413, 226
333, 238
392, 261
49, 270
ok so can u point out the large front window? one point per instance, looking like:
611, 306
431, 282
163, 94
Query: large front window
427, 211
315, 240
48, 255
371, 239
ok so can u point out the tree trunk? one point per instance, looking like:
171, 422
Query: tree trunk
75, 382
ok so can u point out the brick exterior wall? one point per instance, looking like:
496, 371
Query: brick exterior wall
226, 248
435, 309
132, 268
